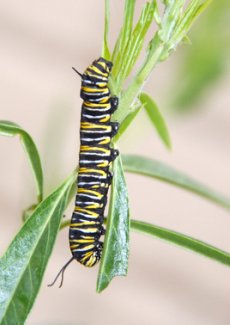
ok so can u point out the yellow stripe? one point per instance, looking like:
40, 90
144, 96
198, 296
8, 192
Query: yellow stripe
105, 141
87, 255
94, 90
103, 65
82, 241
85, 223
91, 170
104, 100
87, 125
104, 164
88, 148
74, 246
105, 119
88, 247
103, 105
94, 214
95, 206
91, 261
82, 190
95, 69
101, 185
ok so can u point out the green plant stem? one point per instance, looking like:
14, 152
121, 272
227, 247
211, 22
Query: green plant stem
136, 86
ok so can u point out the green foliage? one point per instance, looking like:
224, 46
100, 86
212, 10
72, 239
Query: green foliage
156, 118
131, 44
105, 50
114, 260
23, 265
182, 240
172, 28
11, 129
153, 168
127, 121
125, 34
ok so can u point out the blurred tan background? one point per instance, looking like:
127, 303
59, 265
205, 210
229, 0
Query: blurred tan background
40, 42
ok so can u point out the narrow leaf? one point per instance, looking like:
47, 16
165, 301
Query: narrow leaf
193, 10
156, 118
124, 35
179, 239
183, 241
8, 128
156, 169
23, 265
125, 124
105, 49
159, 48
136, 41
114, 260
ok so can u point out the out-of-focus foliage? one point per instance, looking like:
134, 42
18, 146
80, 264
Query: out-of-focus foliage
205, 61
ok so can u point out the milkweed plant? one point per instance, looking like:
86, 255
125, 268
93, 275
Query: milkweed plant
23, 265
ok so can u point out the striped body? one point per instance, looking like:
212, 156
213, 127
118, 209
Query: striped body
95, 158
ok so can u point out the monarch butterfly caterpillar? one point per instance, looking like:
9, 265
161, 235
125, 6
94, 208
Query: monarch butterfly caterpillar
95, 158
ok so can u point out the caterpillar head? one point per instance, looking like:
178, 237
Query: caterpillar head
107, 65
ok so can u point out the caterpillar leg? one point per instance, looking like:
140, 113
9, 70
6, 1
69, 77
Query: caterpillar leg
114, 154
115, 127
114, 101
102, 230
110, 177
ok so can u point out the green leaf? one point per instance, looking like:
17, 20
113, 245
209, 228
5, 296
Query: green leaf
179, 239
182, 240
167, 37
105, 49
114, 260
185, 21
156, 118
153, 168
125, 124
8, 128
124, 35
23, 265
128, 58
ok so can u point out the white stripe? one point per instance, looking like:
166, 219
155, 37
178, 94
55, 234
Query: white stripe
90, 161
95, 154
95, 222
97, 109
88, 131
89, 196
89, 203
85, 231
95, 117
95, 139
86, 215
84, 249
92, 75
102, 95
92, 175
97, 100
91, 183
94, 83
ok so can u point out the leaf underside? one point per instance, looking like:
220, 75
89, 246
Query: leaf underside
114, 260
23, 265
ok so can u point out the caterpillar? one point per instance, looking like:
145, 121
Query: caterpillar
95, 159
